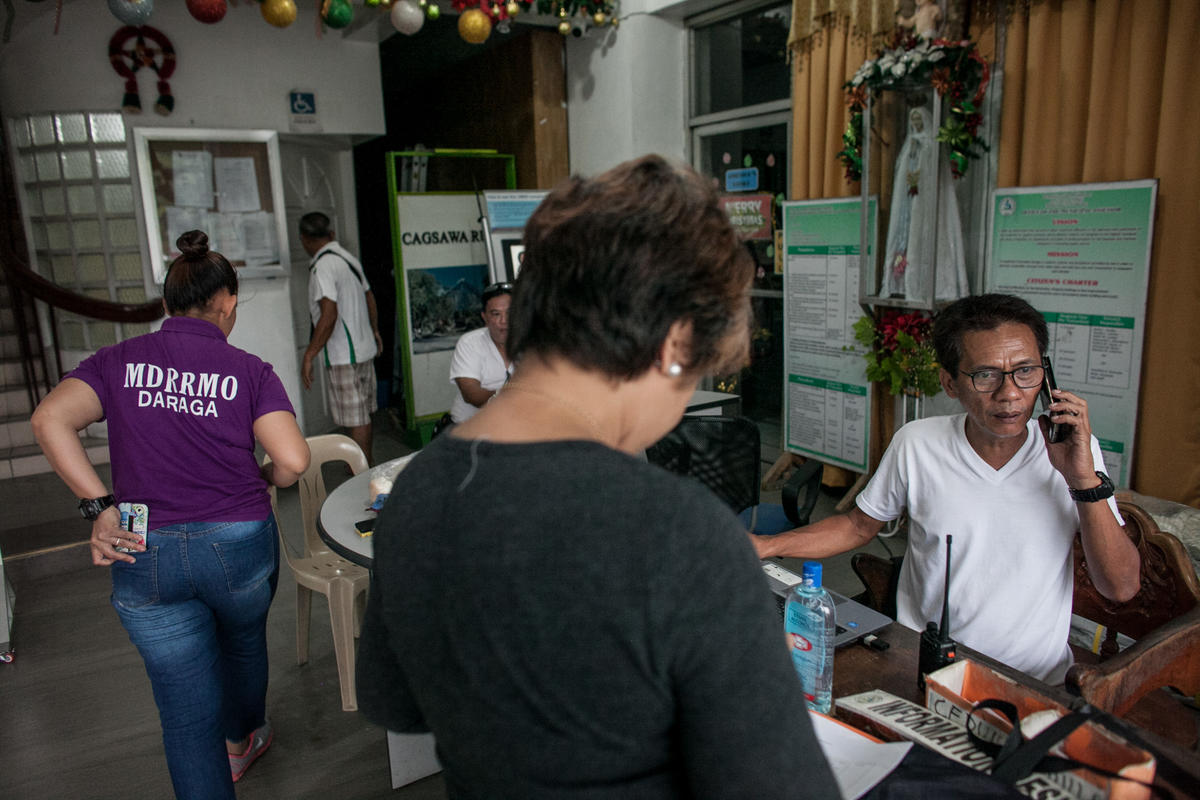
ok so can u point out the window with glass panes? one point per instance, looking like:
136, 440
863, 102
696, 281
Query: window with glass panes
77, 194
740, 124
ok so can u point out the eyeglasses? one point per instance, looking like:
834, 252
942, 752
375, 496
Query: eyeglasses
989, 380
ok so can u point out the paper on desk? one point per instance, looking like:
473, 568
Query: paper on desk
858, 761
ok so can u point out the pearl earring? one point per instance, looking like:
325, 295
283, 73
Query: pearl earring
675, 369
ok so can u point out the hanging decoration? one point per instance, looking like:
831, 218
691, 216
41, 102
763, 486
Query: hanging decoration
209, 12
955, 70
474, 26
158, 55
574, 15
279, 13
407, 17
131, 12
337, 13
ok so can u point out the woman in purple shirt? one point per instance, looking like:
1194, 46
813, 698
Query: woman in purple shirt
184, 410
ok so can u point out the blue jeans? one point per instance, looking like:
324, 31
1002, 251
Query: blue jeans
195, 604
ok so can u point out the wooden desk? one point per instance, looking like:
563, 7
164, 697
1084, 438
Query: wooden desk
858, 668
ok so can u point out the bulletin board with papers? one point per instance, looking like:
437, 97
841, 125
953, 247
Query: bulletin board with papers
1080, 254
827, 399
223, 182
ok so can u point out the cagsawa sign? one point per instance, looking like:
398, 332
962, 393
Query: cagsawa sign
410, 238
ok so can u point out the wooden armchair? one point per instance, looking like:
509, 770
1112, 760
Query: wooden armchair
1169, 584
1167, 656
1164, 618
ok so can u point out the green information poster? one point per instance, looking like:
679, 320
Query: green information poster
827, 398
1081, 255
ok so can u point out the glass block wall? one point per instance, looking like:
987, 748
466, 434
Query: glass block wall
76, 190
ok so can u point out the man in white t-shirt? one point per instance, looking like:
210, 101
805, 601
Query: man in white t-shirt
990, 478
345, 334
481, 364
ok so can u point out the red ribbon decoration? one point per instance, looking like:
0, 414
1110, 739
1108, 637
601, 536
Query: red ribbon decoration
143, 55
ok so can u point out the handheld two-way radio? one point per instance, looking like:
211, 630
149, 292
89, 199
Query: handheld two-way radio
937, 648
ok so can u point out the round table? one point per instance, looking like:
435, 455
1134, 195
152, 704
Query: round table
344, 506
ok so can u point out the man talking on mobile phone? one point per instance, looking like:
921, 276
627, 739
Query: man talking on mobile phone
990, 478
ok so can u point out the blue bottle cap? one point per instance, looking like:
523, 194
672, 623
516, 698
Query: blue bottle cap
812, 574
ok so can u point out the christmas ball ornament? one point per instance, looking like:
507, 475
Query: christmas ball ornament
474, 26
599, 18
407, 17
337, 13
279, 13
432, 11
513, 8
131, 12
207, 11
564, 28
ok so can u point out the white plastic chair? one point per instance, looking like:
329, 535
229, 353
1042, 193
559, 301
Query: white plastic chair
320, 569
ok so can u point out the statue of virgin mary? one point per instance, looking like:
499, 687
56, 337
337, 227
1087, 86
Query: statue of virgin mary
924, 223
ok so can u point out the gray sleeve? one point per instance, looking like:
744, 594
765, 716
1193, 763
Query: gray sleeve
384, 696
744, 729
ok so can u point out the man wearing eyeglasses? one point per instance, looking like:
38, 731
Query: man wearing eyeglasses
990, 478
481, 364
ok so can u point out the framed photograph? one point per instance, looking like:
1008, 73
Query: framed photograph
514, 252
226, 183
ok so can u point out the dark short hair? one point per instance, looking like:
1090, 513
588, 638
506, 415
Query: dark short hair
494, 291
612, 262
196, 275
982, 312
316, 225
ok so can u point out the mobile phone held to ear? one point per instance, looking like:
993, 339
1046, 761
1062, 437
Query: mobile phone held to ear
1056, 432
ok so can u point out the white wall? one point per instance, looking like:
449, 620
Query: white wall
627, 92
234, 74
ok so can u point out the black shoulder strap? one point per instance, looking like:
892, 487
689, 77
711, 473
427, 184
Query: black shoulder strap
1016, 758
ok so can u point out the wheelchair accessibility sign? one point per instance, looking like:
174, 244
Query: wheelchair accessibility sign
302, 105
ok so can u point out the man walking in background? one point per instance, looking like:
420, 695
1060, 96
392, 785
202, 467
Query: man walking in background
345, 329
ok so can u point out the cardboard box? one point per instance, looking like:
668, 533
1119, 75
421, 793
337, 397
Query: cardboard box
952, 691
894, 718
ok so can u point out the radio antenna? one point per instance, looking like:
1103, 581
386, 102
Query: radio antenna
945, 629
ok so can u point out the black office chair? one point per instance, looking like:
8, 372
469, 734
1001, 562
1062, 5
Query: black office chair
724, 453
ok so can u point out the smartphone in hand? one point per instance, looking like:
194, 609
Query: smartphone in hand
1057, 430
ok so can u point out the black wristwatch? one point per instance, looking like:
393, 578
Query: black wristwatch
90, 509
1102, 492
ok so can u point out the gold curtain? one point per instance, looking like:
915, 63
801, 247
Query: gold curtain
1103, 90
1094, 90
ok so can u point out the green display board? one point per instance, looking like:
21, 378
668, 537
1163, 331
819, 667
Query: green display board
827, 398
440, 252
1080, 254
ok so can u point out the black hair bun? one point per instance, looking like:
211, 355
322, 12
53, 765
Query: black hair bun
193, 244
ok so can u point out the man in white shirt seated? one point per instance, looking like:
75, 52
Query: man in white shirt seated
990, 478
481, 364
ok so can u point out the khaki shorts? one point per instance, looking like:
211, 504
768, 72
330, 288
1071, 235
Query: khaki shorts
350, 389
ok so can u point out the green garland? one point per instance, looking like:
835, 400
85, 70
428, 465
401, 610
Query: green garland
955, 69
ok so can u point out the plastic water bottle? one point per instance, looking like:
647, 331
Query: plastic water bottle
809, 623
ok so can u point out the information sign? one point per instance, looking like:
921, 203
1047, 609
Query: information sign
1080, 254
827, 398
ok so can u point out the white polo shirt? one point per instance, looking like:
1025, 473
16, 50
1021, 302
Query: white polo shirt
335, 274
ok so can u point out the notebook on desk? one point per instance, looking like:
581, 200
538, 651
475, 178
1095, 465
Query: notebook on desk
854, 620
